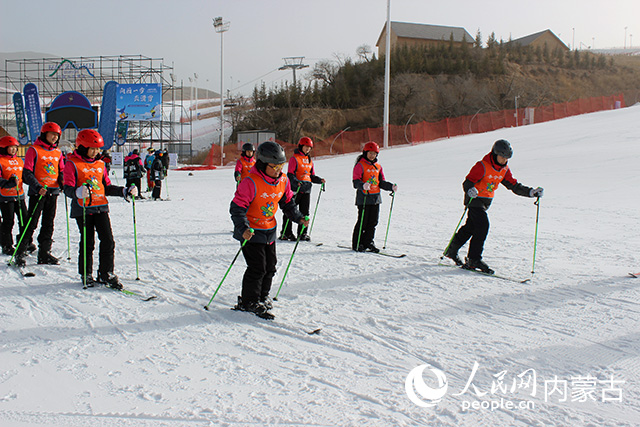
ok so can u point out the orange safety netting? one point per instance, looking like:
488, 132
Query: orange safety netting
353, 141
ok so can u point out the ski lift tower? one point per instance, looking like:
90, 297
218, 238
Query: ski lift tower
293, 63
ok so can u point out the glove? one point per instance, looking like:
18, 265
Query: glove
82, 192
11, 182
472, 192
133, 191
536, 192
394, 187
366, 186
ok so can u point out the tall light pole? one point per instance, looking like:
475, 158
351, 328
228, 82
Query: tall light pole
221, 27
625, 37
573, 40
195, 78
387, 76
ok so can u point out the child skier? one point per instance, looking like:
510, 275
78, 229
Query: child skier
86, 182
253, 207
11, 196
368, 179
148, 162
133, 170
301, 174
43, 167
479, 186
244, 163
157, 174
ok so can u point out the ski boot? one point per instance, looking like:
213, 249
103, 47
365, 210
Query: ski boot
452, 254
8, 250
47, 259
109, 279
304, 237
267, 302
372, 248
88, 282
477, 264
19, 260
288, 236
254, 307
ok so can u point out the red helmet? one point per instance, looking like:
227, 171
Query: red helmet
8, 141
51, 127
371, 146
305, 140
89, 138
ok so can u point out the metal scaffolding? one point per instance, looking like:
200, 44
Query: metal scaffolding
88, 75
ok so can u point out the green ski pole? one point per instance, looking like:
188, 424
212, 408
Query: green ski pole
24, 230
19, 204
535, 240
206, 307
290, 259
364, 206
393, 198
135, 235
456, 230
316, 209
286, 223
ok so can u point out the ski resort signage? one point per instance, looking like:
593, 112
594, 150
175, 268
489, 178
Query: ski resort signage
21, 120
32, 108
139, 102
72, 109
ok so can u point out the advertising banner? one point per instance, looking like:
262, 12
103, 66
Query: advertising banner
107, 124
32, 108
140, 102
21, 120
121, 132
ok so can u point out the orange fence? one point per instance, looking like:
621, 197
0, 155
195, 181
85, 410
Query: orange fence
353, 141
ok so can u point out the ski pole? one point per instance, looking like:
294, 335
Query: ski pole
364, 206
456, 230
535, 240
206, 307
286, 223
135, 235
316, 209
290, 259
24, 230
19, 204
66, 208
393, 197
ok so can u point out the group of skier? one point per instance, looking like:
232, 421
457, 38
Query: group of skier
262, 187
84, 179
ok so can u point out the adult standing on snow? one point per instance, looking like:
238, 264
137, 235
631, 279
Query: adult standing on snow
133, 170
368, 179
254, 207
479, 186
245, 162
148, 163
301, 174
43, 166
11, 196
87, 184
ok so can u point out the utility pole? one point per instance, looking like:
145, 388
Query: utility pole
221, 27
293, 63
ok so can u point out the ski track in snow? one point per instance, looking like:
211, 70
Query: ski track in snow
98, 357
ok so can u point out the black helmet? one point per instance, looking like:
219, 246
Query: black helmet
502, 148
247, 146
271, 152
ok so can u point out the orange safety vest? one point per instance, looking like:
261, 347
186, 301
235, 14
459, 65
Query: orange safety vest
11, 166
92, 174
262, 210
490, 181
303, 167
46, 167
246, 166
371, 173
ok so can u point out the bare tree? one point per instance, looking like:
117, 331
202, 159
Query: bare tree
364, 52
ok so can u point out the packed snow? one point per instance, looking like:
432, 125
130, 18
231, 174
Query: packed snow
561, 349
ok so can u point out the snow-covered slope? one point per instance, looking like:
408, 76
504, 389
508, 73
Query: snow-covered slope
73, 357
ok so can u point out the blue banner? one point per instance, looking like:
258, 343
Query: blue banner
140, 102
21, 120
34, 112
121, 132
107, 124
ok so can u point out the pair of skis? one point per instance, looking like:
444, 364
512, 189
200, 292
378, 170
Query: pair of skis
383, 253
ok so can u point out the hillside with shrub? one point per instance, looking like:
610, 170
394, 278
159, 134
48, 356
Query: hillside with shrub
430, 84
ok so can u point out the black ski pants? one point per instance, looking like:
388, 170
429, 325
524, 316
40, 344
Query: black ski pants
369, 222
99, 223
261, 267
11, 209
476, 228
45, 208
303, 200
157, 188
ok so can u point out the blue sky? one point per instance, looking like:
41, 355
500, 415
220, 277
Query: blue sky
262, 32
